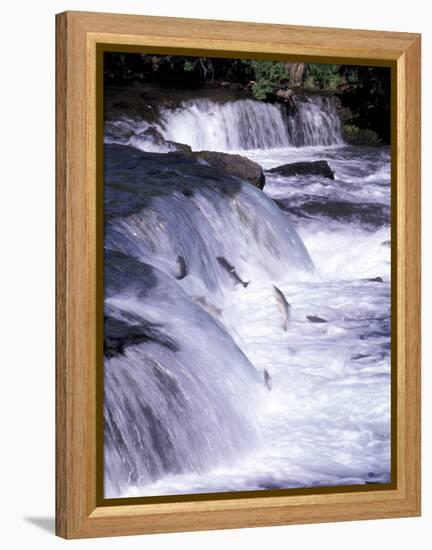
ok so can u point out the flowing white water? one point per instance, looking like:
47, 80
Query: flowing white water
175, 403
187, 410
242, 124
188, 398
314, 121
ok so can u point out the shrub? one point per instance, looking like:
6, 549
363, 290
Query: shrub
323, 76
360, 136
268, 75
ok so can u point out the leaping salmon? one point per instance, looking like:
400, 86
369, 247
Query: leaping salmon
231, 270
182, 268
315, 319
283, 306
267, 379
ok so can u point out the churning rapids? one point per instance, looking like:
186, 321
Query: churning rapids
188, 405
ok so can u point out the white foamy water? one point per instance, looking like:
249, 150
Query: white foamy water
243, 124
326, 419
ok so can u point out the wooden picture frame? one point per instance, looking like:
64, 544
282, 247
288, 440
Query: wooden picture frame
80, 36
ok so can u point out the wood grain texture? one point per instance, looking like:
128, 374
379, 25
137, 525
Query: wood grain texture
61, 251
252, 37
78, 34
412, 263
76, 284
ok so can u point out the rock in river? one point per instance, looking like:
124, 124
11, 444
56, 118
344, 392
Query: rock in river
234, 165
314, 168
155, 137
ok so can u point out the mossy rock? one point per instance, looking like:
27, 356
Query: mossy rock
359, 136
307, 168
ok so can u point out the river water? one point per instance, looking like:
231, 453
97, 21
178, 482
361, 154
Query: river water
187, 409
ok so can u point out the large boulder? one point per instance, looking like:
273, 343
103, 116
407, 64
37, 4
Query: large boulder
285, 95
234, 165
155, 138
313, 168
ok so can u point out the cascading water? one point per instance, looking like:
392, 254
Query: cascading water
176, 401
241, 124
191, 321
244, 124
314, 121
184, 397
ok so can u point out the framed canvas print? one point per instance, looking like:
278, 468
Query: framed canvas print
238, 274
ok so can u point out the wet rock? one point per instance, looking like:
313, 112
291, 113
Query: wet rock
152, 132
180, 147
284, 94
314, 168
154, 135
118, 335
360, 136
234, 165
368, 214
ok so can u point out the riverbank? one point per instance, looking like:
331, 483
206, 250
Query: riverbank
362, 92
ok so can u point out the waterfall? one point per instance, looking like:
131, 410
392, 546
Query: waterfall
211, 383
249, 124
183, 208
314, 121
180, 395
243, 124
181, 400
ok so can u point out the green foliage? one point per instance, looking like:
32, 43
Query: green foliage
189, 66
271, 71
360, 136
268, 75
309, 82
323, 76
260, 89
202, 66
364, 92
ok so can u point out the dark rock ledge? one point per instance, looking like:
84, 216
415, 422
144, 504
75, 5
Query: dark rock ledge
234, 165
313, 168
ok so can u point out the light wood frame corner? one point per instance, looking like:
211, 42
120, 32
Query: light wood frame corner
79, 35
